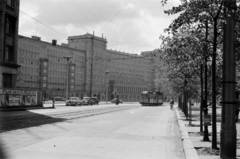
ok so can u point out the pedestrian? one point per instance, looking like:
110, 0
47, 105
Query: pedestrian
171, 103
53, 102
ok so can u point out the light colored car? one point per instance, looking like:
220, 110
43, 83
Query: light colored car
73, 101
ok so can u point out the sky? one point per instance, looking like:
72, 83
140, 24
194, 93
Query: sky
131, 26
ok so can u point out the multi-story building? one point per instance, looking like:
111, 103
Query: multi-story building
123, 74
9, 14
130, 74
95, 65
45, 67
93, 69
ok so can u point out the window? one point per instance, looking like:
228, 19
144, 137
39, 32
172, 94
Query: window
10, 3
9, 55
7, 80
10, 25
45, 63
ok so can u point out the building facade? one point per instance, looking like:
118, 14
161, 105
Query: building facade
92, 69
129, 74
45, 67
9, 15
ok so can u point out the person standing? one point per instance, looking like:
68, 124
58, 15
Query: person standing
53, 102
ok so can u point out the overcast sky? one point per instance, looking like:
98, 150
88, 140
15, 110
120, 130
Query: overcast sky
132, 26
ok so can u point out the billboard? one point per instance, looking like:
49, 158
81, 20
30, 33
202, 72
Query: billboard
14, 97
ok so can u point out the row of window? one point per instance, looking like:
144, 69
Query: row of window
27, 77
27, 47
130, 89
27, 61
32, 70
28, 54
29, 84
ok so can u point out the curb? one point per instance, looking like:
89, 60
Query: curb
189, 150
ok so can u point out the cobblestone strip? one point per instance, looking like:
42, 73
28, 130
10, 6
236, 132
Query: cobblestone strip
189, 150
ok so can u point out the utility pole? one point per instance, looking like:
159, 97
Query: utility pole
107, 85
68, 58
201, 106
229, 103
91, 73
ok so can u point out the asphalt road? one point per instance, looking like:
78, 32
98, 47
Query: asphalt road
139, 132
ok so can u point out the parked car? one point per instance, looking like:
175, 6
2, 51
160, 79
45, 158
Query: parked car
114, 100
74, 101
86, 101
94, 100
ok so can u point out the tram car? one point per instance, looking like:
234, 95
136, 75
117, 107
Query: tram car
151, 98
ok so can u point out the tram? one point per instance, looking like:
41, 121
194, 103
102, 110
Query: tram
151, 98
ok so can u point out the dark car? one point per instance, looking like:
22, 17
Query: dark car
114, 100
87, 101
94, 100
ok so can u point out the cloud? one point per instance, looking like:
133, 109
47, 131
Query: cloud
136, 26
79, 12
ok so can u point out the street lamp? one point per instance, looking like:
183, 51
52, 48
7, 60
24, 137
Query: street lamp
106, 85
91, 73
68, 58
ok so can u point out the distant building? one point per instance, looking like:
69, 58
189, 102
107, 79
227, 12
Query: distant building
130, 74
93, 68
125, 74
9, 15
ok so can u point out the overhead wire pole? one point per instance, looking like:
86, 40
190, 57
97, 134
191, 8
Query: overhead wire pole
229, 104
67, 82
91, 73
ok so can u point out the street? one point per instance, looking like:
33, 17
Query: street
139, 132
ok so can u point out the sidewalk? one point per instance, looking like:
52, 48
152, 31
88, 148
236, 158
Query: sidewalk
193, 144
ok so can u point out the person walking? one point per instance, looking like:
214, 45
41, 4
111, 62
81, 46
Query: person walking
171, 103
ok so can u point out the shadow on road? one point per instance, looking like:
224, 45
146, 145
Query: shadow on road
12, 120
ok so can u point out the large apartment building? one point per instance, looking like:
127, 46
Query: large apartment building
92, 69
48, 68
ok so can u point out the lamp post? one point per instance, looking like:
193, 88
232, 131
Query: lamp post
106, 85
68, 58
229, 103
91, 73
